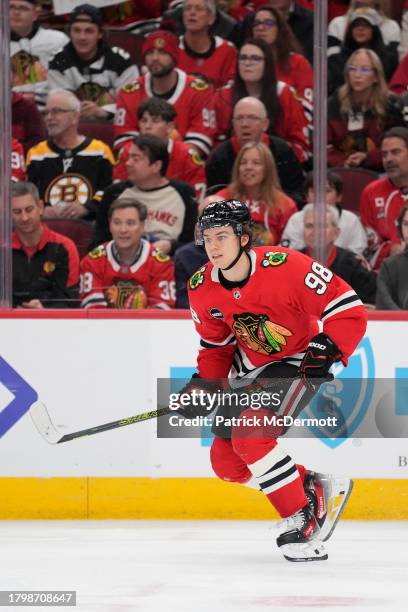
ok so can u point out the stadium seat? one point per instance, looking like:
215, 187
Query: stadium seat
102, 130
78, 230
132, 43
354, 181
214, 188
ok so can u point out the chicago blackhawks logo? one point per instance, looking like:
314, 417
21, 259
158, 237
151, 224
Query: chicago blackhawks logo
259, 334
49, 267
125, 294
131, 87
97, 252
160, 257
69, 188
197, 279
274, 259
199, 84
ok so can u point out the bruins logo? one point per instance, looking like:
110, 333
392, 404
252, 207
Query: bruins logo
197, 279
274, 259
259, 334
97, 252
69, 188
49, 267
131, 87
160, 257
199, 84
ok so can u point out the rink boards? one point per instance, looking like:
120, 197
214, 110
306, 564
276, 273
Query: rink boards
92, 368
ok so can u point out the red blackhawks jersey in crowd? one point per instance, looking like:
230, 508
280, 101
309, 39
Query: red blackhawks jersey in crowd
291, 124
17, 161
217, 66
148, 282
380, 205
185, 164
192, 99
288, 299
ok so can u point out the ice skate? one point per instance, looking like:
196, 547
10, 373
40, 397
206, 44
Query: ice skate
327, 497
300, 541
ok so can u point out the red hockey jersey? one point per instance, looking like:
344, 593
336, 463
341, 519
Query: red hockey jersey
217, 66
192, 100
107, 283
185, 164
288, 299
380, 205
17, 161
291, 125
299, 75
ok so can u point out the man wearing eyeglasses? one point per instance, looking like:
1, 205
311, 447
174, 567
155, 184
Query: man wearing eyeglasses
31, 48
71, 171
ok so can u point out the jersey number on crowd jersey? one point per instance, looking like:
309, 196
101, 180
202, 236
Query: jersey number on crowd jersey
168, 290
318, 279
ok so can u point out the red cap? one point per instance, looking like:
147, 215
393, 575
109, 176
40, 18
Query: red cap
164, 41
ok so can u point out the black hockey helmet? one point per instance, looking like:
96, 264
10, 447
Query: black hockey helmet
225, 212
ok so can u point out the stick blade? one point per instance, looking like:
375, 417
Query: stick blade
41, 419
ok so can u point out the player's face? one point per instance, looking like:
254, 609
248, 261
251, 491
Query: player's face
221, 245
251, 169
159, 63
332, 197
85, 38
362, 31
265, 27
248, 122
126, 228
361, 74
394, 153
156, 125
26, 214
59, 116
251, 63
22, 16
404, 227
196, 16
309, 224
138, 166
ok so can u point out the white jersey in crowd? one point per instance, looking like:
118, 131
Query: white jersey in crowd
352, 235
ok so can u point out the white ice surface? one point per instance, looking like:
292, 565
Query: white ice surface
203, 566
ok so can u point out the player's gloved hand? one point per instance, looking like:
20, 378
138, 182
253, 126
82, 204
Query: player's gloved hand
197, 397
320, 354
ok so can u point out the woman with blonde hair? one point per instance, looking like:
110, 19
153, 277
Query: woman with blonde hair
358, 113
255, 181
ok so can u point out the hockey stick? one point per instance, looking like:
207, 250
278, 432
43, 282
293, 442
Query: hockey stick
43, 423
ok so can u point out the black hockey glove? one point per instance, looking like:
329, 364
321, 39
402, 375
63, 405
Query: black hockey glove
197, 397
320, 354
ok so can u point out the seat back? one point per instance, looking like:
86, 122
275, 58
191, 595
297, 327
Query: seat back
102, 130
354, 181
78, 230
132, 43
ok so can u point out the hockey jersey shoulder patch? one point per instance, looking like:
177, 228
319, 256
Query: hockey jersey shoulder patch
196, 158
160, 256
98, 252
274, 259
199, 84
131, 87
197, 279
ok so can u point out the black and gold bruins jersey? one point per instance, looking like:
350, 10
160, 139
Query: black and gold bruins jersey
71, 176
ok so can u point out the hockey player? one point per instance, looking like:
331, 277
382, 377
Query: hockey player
127, 272
271, 313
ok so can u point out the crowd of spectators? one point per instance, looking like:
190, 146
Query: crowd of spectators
128, 120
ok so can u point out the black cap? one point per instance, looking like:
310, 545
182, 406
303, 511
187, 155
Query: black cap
86, 13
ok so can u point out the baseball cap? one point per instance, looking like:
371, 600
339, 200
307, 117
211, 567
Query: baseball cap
86, 12
163, 40
368, 14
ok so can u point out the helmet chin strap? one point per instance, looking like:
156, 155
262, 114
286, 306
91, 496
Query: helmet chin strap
234, 261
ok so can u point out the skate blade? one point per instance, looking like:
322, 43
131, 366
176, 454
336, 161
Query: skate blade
337, 493
303, 553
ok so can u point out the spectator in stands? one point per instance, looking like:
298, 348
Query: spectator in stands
45, 263
399, 80
156, 116
298, 18
381, 201
392, 284
351, 232
210, 57
222, 26
362, 33
256, 77
89, 67
342, 262
290, 65
31, 48
27, 122
190, 96
188, 259
403, 50
250, 123
390, 30
359, 112
18, 172
255, 181
127, 272
71, 171
171, 206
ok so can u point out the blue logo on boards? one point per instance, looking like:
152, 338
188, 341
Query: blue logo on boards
20, 397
